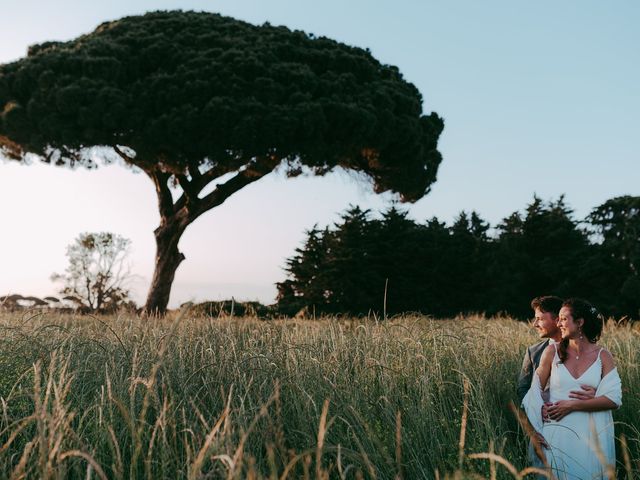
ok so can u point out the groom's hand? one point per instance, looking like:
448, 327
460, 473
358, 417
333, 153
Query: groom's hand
587, 393
561, 409
545, 411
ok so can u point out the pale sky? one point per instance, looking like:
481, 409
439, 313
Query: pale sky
538, 97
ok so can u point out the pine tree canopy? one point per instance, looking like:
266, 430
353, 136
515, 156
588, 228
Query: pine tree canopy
188, 92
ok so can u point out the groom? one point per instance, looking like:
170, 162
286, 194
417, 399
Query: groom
546, 311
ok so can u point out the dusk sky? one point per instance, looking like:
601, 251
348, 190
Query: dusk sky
538, 97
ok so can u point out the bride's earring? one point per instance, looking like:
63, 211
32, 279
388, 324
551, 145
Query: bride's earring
580, 332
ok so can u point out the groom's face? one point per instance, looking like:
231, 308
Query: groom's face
545, 323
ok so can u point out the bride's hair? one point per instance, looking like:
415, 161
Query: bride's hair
591, 328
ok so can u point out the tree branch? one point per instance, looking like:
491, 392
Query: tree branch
195, 174
190, 191
211, 174
159, 178
198, 182
165, 201
123, 155
10, 148
256, 169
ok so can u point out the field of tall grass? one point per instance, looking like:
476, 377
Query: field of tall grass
122, 397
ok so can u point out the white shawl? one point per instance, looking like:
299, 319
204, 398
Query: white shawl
611, 387
532, 403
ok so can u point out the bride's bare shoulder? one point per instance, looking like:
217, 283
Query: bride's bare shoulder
608, 363
548, 354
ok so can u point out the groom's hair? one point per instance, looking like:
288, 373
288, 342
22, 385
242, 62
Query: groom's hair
547, 304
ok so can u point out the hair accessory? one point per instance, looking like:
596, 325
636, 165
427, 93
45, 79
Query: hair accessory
594, 311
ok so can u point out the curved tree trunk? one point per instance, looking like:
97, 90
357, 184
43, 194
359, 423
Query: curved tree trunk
176, 215
168, 258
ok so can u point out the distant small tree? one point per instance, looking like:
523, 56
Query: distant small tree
98, 271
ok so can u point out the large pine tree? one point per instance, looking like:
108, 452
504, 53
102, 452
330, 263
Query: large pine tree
198, 100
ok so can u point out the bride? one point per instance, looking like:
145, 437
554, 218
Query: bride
577, 438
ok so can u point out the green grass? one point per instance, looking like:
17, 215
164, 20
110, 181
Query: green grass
122, 397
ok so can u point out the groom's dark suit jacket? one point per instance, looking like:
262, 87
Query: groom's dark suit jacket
529, 365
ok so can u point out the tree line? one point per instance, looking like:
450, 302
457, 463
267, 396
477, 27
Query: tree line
392, 264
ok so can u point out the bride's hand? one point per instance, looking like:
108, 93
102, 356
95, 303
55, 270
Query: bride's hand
561, 409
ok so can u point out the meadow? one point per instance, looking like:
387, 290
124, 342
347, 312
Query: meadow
192, 397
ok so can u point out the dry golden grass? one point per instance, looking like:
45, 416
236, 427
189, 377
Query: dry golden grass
122, 397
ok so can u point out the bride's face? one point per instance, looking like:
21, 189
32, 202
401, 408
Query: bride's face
569, 328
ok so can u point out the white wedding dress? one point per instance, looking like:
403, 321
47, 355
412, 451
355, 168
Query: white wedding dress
582, 444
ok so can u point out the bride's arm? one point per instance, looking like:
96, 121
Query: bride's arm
544, 369
533, 402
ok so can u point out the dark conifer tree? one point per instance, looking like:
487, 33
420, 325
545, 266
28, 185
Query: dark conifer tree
395, 248
432, 262
467, 256
538, 254
305, 286
615, 271
350, 282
